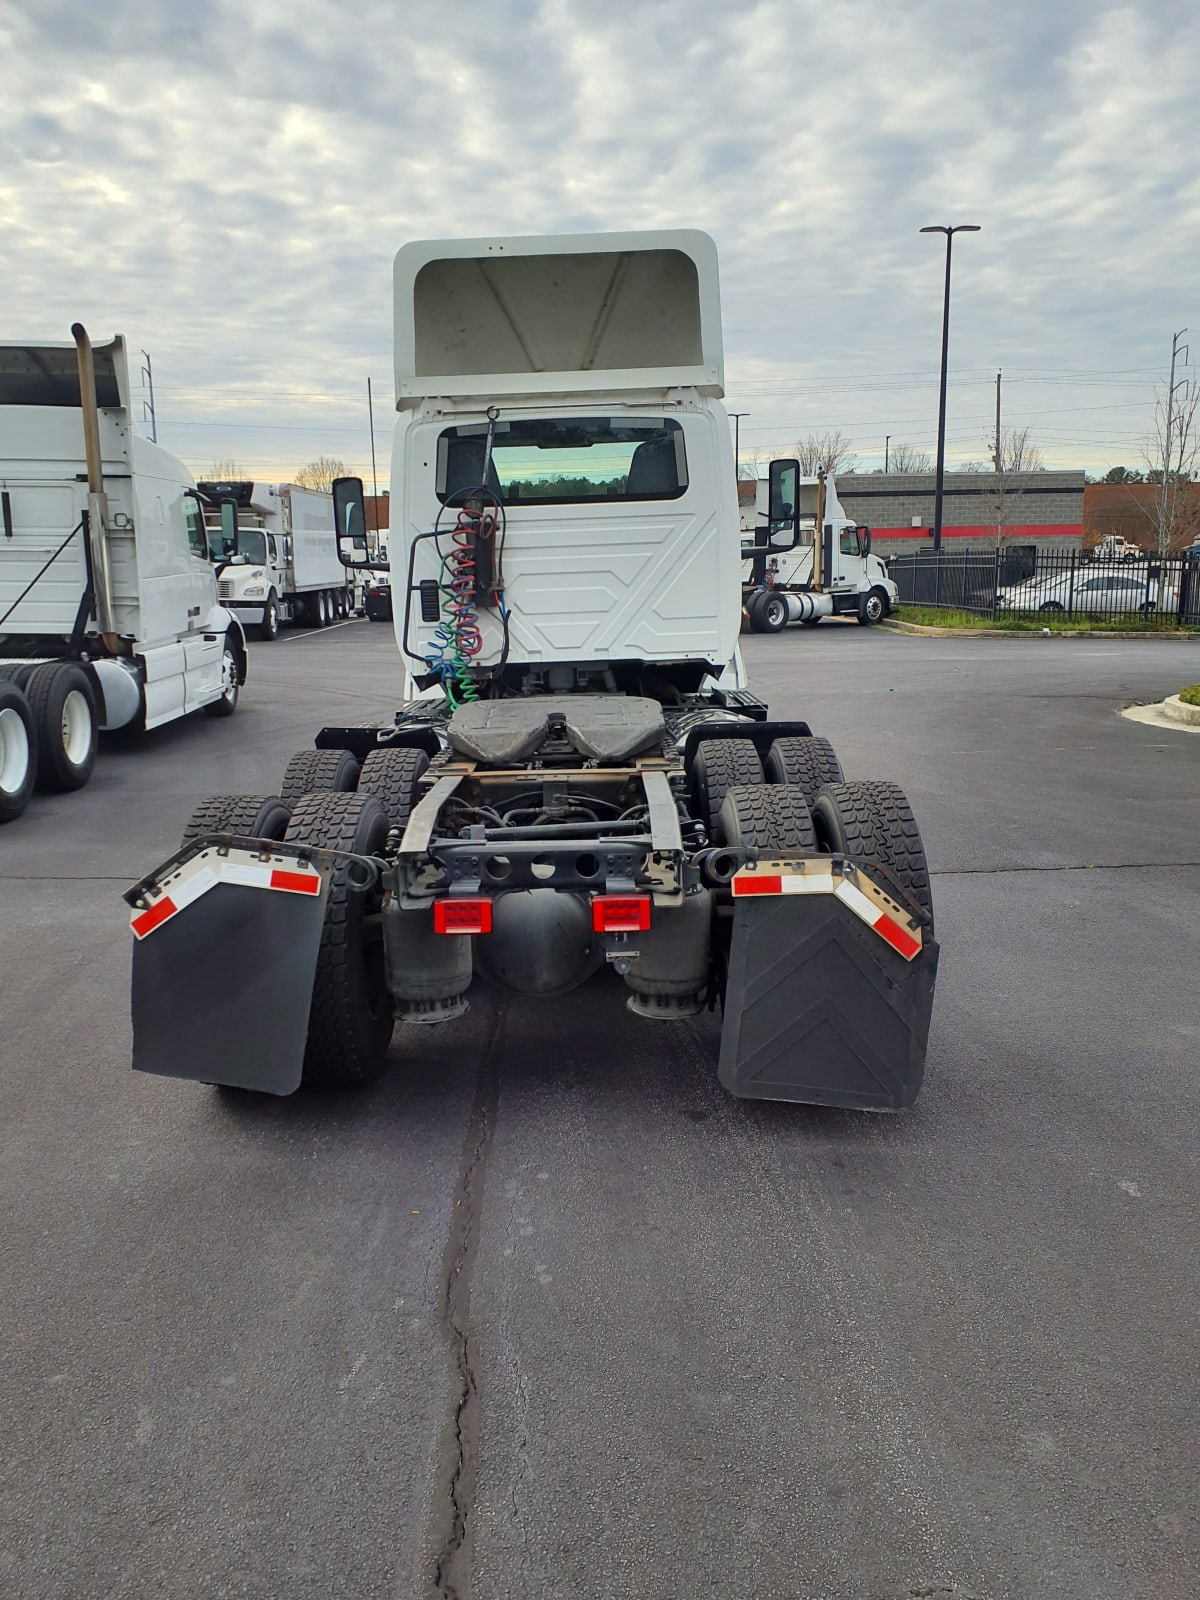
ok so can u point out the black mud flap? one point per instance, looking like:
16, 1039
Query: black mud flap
819, 1009
222, 986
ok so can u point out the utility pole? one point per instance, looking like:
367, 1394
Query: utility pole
1164, 533
886, 444
963, 227
998, 462
371, 416
737, 416
148, 410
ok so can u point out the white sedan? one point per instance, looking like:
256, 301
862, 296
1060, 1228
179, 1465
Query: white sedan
1112, 591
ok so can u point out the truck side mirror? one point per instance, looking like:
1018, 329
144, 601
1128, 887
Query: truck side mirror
229, 527
783, 497
350, 522
864, 541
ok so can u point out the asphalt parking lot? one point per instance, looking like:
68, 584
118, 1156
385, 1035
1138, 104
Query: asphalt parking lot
545, 1313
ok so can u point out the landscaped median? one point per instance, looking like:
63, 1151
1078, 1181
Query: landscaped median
964, 624
1185, 706
1181, 711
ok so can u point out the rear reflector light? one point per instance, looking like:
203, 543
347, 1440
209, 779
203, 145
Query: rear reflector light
621, 913
462, 916
155, 917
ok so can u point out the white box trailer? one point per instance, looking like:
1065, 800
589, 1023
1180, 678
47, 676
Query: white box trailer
284, 564
109, 616
807, 559
578, 777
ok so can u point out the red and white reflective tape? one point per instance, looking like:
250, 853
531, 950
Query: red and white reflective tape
747, 885
199, 876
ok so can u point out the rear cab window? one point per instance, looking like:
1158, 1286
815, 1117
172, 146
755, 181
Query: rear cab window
566, 460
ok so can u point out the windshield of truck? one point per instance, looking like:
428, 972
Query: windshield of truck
252, 543
567, 460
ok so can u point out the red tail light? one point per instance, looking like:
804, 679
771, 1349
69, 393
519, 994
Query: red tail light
620, 913
462, 916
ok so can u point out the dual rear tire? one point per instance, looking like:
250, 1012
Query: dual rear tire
49, 729
800, 800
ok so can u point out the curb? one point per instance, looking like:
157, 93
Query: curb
1028, 633
1166, 714
1180, 711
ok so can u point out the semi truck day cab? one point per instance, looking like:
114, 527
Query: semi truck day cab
578, 777
109, 615
808, 559
279, 562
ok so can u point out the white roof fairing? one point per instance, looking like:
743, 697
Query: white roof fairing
557, 314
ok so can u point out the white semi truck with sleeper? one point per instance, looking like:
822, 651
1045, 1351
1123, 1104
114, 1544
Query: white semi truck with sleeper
578, 776
109, 616
280, 564
808, 559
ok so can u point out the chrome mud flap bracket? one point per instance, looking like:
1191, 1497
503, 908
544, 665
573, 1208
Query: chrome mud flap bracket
224, 958
829, 989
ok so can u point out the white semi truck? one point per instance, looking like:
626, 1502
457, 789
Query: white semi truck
577, 777
109, 616
808, 559
282, 564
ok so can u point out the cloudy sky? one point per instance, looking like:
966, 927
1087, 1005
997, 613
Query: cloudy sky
226, 182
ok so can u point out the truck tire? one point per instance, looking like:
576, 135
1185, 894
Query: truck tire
767, 816
252, 816
391, 776
63, 703
268, 628
768, 612
226, 704
318, 772
716, 766
873, 607
18, 752
807, 764
873, 825
350, 1017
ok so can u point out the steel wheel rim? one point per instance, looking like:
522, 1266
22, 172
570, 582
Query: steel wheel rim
228, 677
14, 752
76, 727
776, 611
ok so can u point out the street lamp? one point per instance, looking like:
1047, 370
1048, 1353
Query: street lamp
737, 418
962, 227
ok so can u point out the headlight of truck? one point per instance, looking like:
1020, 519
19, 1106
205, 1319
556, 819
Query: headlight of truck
253, 591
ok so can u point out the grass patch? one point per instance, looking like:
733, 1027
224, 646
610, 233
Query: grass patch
1034, 622
1191, 695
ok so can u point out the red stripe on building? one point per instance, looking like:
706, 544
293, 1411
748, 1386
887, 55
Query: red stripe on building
1012, 534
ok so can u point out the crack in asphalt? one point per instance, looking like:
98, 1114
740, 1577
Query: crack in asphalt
461, 1452
1075, 866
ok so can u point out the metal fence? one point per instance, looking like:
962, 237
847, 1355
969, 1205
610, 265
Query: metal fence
1023, 581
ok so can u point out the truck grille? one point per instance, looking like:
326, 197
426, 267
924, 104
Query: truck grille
225, 589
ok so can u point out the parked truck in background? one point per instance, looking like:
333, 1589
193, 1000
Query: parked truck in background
578, 778
283, 565
109, 615
808, 559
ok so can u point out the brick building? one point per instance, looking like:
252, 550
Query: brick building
1128, 510
1042, 508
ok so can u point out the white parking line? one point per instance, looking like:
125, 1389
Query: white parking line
317, 633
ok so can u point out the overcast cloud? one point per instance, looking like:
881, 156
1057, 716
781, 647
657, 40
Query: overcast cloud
226, 182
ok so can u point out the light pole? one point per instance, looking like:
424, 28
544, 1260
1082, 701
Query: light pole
886, 445
962, 227
737, 416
